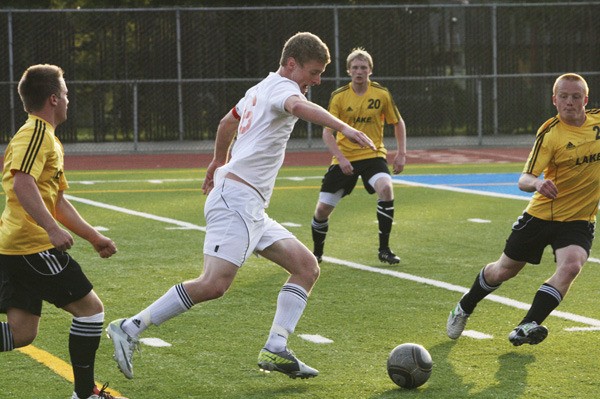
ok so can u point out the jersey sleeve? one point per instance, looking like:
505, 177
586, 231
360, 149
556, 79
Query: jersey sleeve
29, 153
392, 115
281, 92
334, 106
542, 151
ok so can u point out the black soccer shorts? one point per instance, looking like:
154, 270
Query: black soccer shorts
531, 235
335, 180
51, 276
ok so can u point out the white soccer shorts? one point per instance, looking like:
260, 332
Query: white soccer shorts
236, 222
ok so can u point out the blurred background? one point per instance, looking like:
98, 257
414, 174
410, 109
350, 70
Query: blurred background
144, 76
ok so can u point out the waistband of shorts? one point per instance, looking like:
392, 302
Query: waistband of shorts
236, 178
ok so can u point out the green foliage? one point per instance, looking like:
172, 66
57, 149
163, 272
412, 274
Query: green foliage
366, 314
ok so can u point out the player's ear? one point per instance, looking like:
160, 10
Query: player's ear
291, 63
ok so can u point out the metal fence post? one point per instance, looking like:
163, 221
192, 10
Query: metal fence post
11, 74
479, 111
179, 74
135, 117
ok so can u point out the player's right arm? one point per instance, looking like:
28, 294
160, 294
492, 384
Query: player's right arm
530, 183
31, 200
330, 142
225, 133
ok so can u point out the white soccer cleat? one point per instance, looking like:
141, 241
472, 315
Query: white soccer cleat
457, 320
124, 347
285, 362
99, 394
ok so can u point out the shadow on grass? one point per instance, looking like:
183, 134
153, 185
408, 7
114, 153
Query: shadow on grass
511, 378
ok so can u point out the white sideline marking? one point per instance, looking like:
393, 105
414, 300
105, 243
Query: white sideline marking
156, 342
451, 287
101, 228
582, 329
179, 223
459, 190
317, 339
476, 220
476, 334
405, 276
291, 224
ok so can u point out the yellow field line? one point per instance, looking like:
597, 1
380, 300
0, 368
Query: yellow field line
55, 364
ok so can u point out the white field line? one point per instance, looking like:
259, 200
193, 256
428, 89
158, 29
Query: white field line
405, 276
458, 189
159, 181
458, 288
178, 223
467, 191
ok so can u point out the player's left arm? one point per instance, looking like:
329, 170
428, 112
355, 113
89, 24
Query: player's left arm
400, 157
314, 113
68, 216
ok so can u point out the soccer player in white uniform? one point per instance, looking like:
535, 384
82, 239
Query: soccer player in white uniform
239, 190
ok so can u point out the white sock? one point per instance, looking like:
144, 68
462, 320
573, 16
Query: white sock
290, 306
174, 302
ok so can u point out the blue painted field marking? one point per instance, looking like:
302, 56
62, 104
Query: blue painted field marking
491, 184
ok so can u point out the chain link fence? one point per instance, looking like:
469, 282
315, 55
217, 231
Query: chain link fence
140, 79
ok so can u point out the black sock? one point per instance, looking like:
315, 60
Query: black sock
84, 339
479, 290
546, 299
7, 342
385, 217
319, 233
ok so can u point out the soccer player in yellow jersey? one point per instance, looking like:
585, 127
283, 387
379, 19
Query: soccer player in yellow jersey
563, 169
34, 264
367, 106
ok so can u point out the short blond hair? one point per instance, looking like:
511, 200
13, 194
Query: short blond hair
361, 54
573, 77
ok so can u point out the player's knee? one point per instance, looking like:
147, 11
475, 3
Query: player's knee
23, 337
312, 271
570, 270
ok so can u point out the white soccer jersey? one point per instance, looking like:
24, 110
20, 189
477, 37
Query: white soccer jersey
264, 129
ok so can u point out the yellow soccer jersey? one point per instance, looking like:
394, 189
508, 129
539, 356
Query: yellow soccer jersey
367, 113
570, 157
37, 151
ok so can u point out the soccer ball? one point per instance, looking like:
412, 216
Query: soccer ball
409, 365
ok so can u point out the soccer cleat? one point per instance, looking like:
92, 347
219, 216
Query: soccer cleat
124, 347
387, 256
285, 362
457, 320
99, 394
528, 333
319, 257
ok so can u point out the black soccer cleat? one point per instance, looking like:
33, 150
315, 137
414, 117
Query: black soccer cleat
387, 256
528, 333
319, 257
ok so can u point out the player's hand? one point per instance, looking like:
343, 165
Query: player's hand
358, 137
61, 239
104, 246
209, 183
399, 162
345, 166
547, 188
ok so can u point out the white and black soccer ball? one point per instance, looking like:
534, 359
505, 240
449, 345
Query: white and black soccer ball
409, 365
